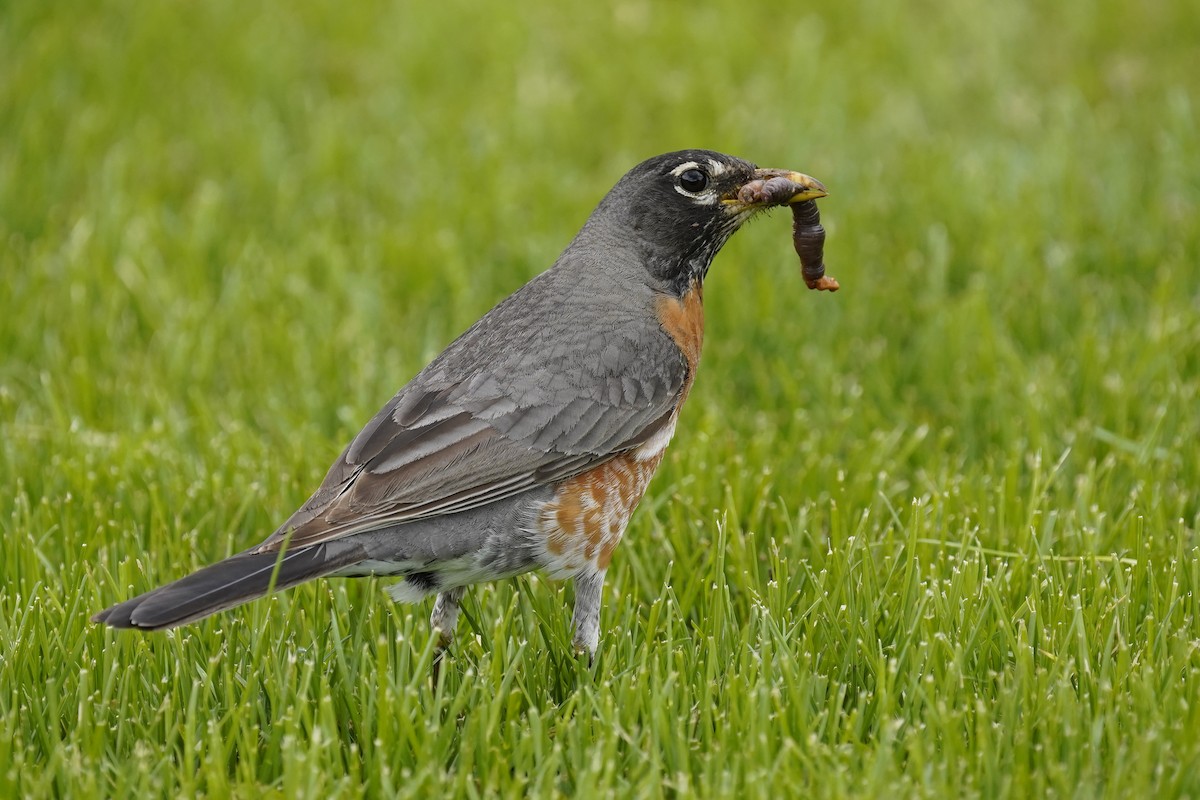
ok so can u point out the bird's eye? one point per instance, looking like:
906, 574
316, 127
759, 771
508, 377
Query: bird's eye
693, 180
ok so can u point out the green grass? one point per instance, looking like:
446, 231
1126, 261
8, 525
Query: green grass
935, 535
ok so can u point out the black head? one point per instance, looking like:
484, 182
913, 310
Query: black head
679, 208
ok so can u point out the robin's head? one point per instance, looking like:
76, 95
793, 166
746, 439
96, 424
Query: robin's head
679, 208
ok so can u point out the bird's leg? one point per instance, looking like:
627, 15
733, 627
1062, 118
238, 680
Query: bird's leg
445, 615
442, 622
586, 621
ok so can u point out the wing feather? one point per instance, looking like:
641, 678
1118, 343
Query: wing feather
485, 421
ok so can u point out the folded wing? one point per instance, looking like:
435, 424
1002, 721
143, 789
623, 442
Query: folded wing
473, 428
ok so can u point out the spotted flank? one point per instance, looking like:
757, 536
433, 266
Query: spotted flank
583, 523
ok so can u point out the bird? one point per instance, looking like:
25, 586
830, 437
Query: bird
528, 442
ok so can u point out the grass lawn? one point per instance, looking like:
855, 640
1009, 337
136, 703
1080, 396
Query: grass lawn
935, 535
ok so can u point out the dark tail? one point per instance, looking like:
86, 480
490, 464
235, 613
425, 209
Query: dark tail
236, 580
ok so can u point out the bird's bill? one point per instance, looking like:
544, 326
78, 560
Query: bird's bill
808, 187
775, 187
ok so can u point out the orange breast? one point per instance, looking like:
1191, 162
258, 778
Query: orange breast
683, 320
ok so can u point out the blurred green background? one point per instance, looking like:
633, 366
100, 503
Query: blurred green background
229, 232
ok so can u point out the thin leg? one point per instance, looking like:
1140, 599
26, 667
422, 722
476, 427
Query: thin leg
442, 622
586, 622
445, 615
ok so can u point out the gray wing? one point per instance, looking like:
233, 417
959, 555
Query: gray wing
527, 397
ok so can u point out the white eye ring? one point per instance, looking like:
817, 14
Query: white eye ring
694, 187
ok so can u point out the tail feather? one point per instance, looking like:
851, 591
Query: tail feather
236, 580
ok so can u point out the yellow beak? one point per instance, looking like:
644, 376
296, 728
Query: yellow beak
775, 187
809, 188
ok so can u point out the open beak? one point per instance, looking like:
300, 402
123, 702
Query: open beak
775, 187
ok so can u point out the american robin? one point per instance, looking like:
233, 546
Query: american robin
529, 441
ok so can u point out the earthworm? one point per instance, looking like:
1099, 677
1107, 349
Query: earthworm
808, 237
772, 191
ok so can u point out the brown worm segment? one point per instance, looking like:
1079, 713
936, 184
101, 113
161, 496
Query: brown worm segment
808, 237
772, 192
